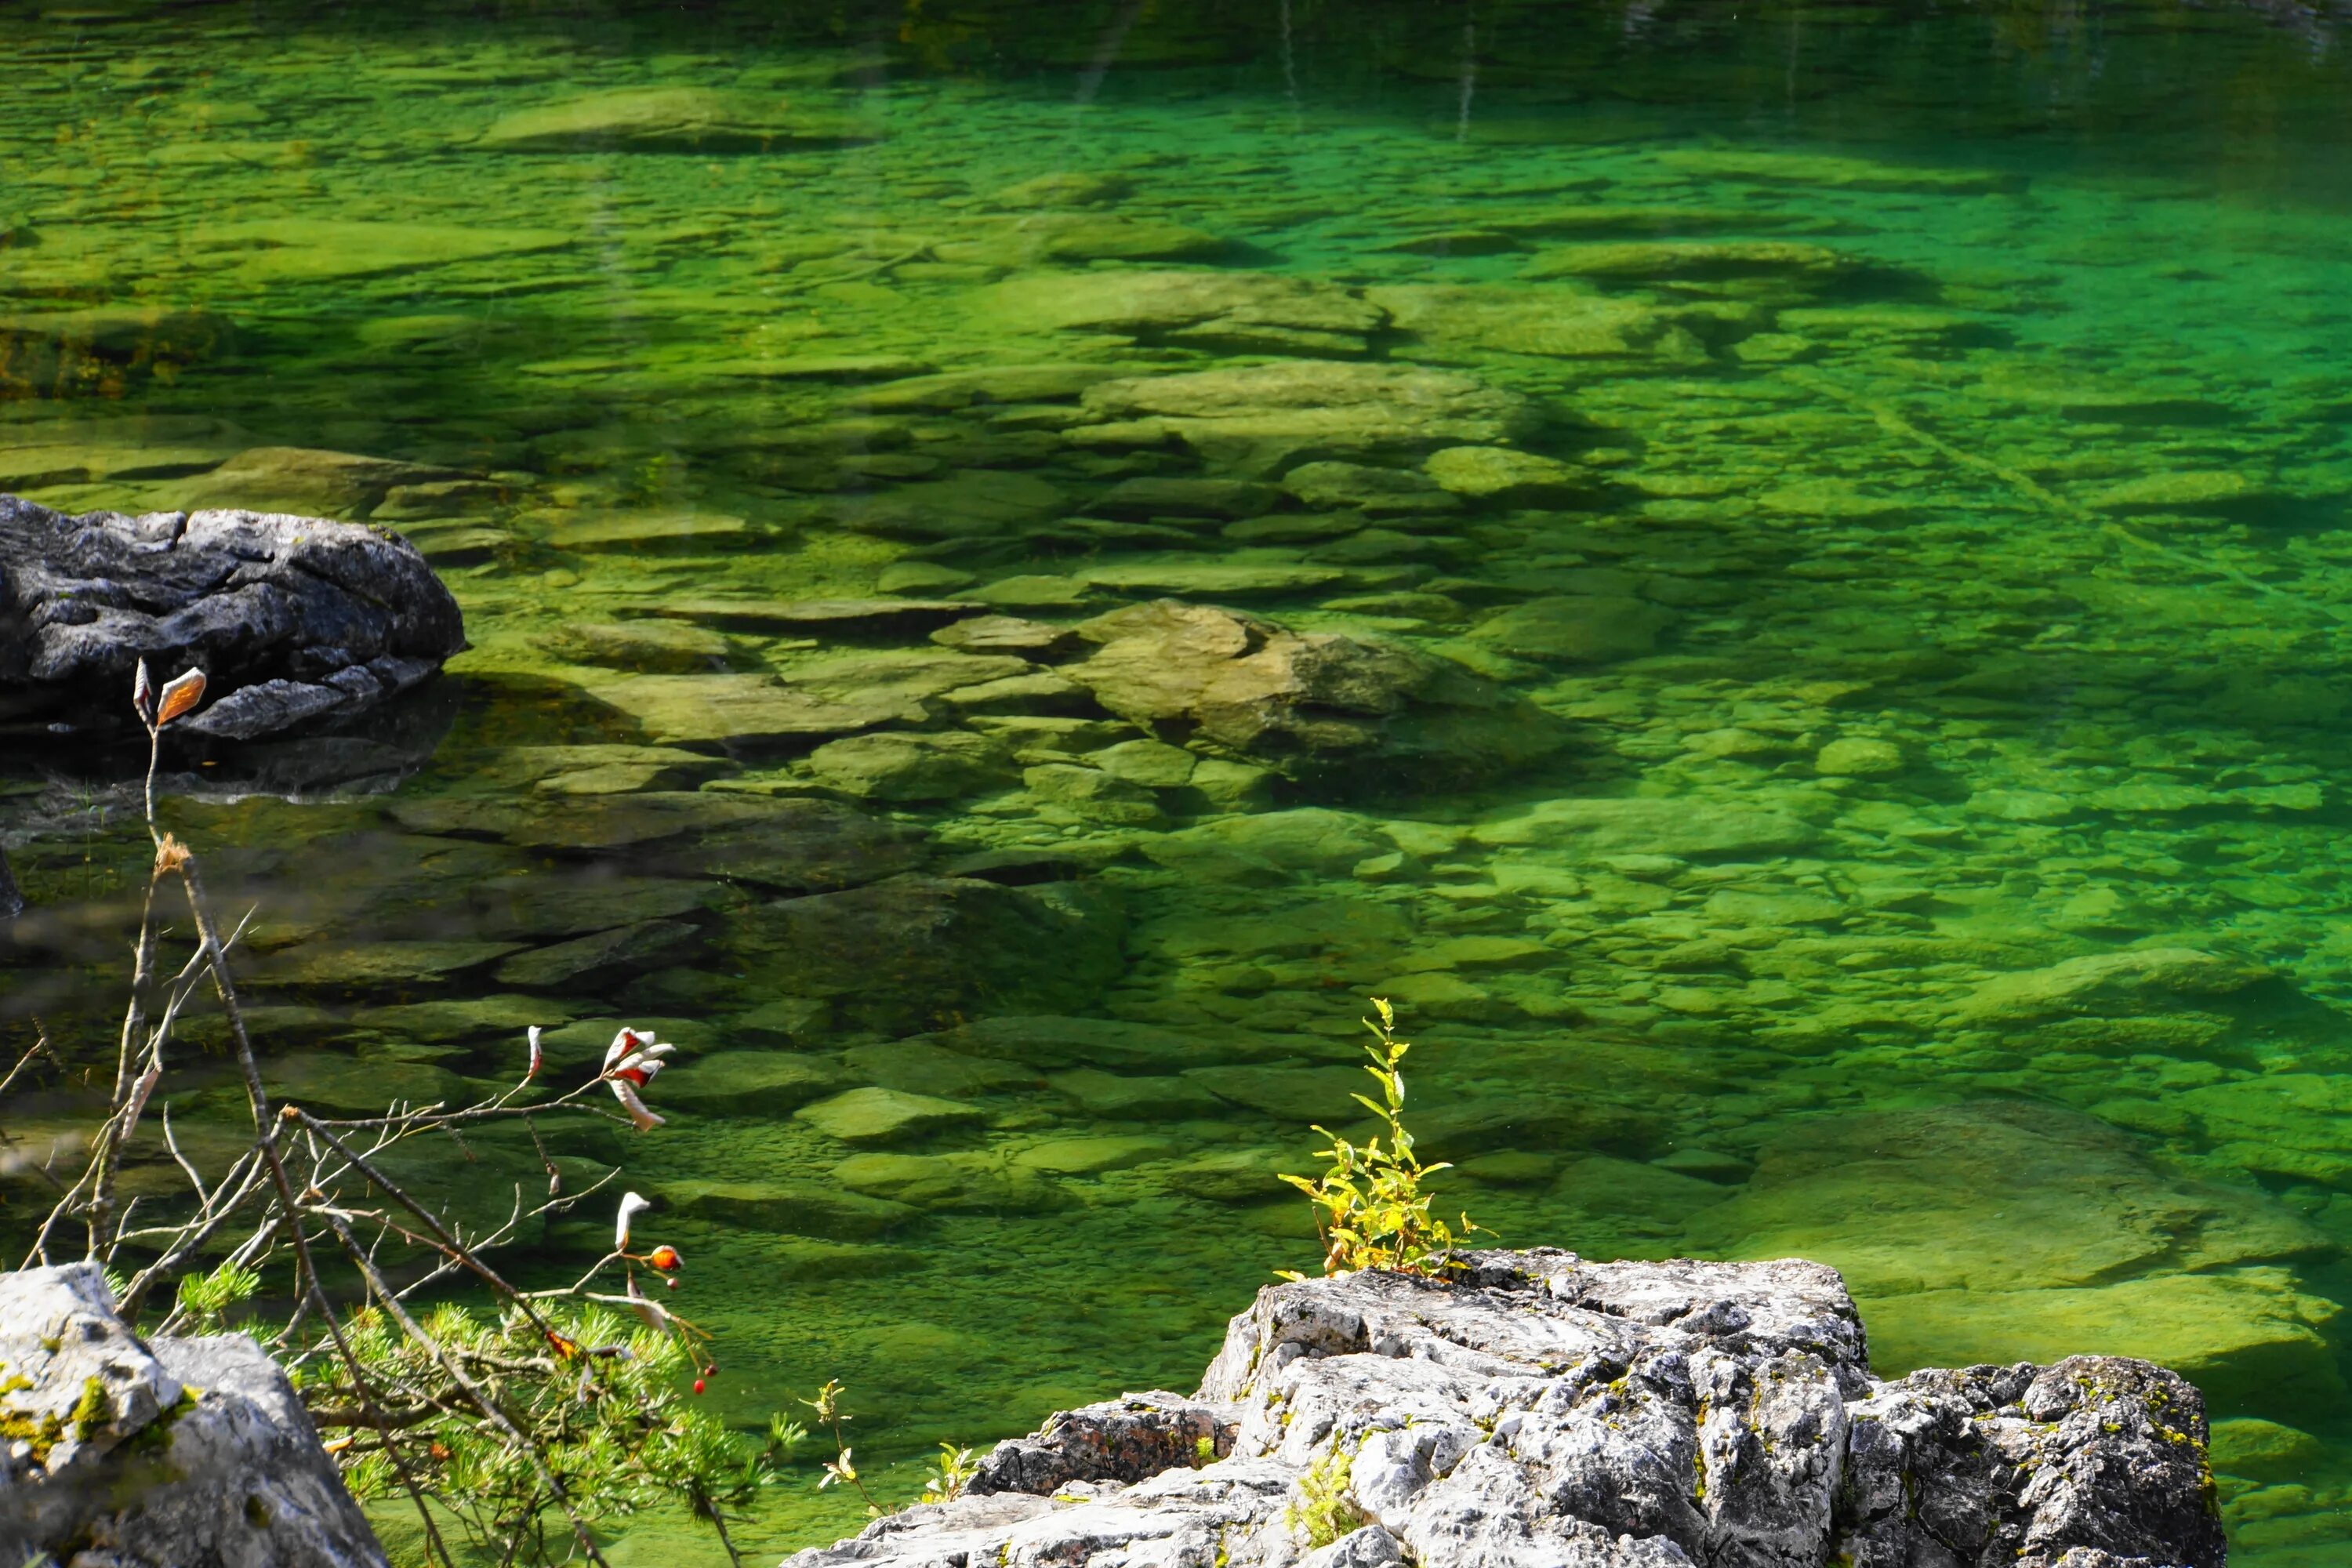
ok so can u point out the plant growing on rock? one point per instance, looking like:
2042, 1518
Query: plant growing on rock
1372, 1204
526, 1421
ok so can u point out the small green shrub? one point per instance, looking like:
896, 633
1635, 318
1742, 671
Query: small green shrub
956, 1468
1324, 1511
208, 1297
1372, 1203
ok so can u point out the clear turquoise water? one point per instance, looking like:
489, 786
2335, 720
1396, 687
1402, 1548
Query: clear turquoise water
1968, 507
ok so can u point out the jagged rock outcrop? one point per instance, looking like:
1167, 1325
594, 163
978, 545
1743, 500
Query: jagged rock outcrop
1544, 1412
155, 1454
292, 620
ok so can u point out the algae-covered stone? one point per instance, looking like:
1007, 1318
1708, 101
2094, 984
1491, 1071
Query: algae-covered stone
662, 647
920, 1066
1092, 1156
2011, 1200
1301, 1094
1501, 475
1858, 757
1700, 260
897, 765
2262, 1451
1374, 492
1092, 793
976, 503
636, 530
747, 1083
1827, 172
2126, 982
912, 951
1312, 706
2191, 490
797, 1208
630, 946
1082, 237
1559, 323
302, 480
1229, 1176
1258, 418
886, 1116
1115, 1044
355, 1087
690, 709
1577, 628
699, 120
1591, 829
1116, 1097
967, 1183
1248, 312
2249, 1338
314, 249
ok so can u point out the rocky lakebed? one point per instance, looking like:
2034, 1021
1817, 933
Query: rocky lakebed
998, 619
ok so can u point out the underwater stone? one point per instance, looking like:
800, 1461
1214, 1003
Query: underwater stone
2126, 982
698, 119
301, 479
1116, 1097
748, 1083
796, 1207
920, 1066
976, 503
654, 646
61, 354
1689, 259
1858, 757
1500, 475
1545, 1410
1374, 492
1592, 829
898, 766
1577, 628
204, 1453
1245, 312
950, 1183
910, 951
886, 1115
1083, 236
290, 618
627, 947
1314, 706
1257, 419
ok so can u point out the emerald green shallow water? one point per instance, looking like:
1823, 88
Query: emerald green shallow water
1935, 552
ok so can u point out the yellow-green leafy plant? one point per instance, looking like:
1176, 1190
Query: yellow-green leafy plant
1324, 1511
955, 1470
1372, 1203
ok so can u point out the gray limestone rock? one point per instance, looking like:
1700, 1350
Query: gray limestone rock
155, 1454
1541, 1411
291, 618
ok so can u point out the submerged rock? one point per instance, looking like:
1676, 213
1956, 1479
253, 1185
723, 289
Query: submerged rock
1315, 706
291, 618
1247, 312
155, 1453
1260, 418
1547, 1411
672, 119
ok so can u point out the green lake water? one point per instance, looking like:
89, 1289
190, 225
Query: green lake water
1898, 458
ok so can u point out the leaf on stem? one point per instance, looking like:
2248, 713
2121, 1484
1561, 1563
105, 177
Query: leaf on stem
143, 694
183, 691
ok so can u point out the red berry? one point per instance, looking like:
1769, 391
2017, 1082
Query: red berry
671, 1283
697, 1385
